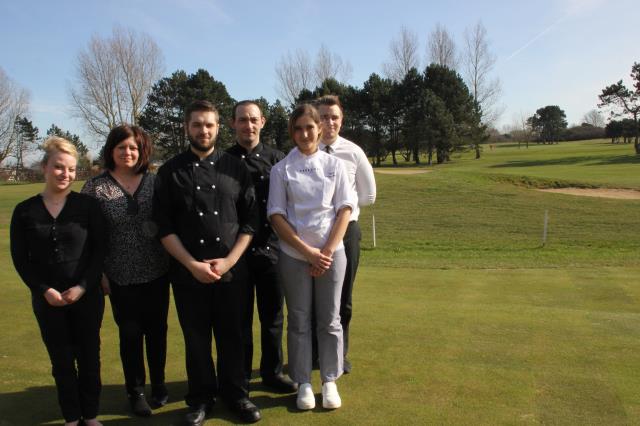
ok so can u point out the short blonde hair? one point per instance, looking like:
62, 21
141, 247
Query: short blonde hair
57, 144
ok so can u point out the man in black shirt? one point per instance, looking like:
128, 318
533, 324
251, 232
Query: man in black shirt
247, 121
205, 209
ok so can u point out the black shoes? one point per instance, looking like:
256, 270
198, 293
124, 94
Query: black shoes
197, 414
159, 395
139, 405
280, 383
245, 410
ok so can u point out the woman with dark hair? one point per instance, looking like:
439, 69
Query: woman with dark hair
310, 202
136, 265
56, 246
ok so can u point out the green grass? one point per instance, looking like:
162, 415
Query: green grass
461, 316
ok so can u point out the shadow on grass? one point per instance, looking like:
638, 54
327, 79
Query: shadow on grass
589, 159
39, 405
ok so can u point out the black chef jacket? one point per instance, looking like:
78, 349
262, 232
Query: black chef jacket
206, 203
259, 162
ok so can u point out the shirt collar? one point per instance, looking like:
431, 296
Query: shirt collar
192, 157
333, 146
256, 149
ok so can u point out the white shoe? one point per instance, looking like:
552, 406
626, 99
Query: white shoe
306, 399
330, 396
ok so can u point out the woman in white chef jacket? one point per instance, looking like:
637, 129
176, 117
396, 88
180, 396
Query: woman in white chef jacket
310, 202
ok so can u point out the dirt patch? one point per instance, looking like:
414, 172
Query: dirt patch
401, 171
620, 194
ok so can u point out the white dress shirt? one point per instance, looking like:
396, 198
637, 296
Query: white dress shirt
309, 190
359, 171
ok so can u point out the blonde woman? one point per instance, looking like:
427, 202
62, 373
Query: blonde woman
56, 245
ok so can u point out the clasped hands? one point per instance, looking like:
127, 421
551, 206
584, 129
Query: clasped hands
209, 271
67, 297
320, 261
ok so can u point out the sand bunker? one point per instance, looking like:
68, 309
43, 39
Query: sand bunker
401, 171
621, 194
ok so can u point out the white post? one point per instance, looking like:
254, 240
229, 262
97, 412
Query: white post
544, 230
373, 224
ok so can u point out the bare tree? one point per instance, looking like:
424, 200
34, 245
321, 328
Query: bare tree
295, 71
441, 49
594, 118
404, 55
114, 77
478, 64
14, 102
329, 65
521, 129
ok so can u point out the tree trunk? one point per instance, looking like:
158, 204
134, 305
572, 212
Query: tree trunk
478, 151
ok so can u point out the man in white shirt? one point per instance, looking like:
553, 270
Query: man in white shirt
360, 174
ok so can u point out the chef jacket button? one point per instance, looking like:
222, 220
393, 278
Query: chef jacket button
266, 225
200, 213
201, 241
268, 248
253, 249
213, 187
261, 177
257, 155
264, 201
218, 239
197, 165
242, 156
215, 213
211, 162
198, 188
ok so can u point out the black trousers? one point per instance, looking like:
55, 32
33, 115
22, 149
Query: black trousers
72, 336
218, 309
263, 277
141, 310
352, 250
351, 242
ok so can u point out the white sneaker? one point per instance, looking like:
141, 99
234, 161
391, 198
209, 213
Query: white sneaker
306, 399
330, 396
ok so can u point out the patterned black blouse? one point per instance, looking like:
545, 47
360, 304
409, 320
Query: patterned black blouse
134, 252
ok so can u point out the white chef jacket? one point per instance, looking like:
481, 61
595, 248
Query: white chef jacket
309, 190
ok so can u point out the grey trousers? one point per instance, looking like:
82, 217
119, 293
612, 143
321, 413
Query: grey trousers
300, 291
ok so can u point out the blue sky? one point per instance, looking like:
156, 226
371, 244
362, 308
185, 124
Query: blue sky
549, 52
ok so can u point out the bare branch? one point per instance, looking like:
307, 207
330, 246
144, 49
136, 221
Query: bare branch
441, 48
14, 103
478, 64
113, 78
295, 72
404, 55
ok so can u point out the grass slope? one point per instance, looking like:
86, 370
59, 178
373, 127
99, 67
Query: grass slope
461, 317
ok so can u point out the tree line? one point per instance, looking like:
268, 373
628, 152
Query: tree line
408, 113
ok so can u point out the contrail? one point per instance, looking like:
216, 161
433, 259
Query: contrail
530, 42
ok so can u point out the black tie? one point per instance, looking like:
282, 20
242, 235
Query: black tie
328, 149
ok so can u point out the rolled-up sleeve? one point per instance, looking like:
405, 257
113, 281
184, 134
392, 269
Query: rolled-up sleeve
344, 195
277, 203
365, 180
